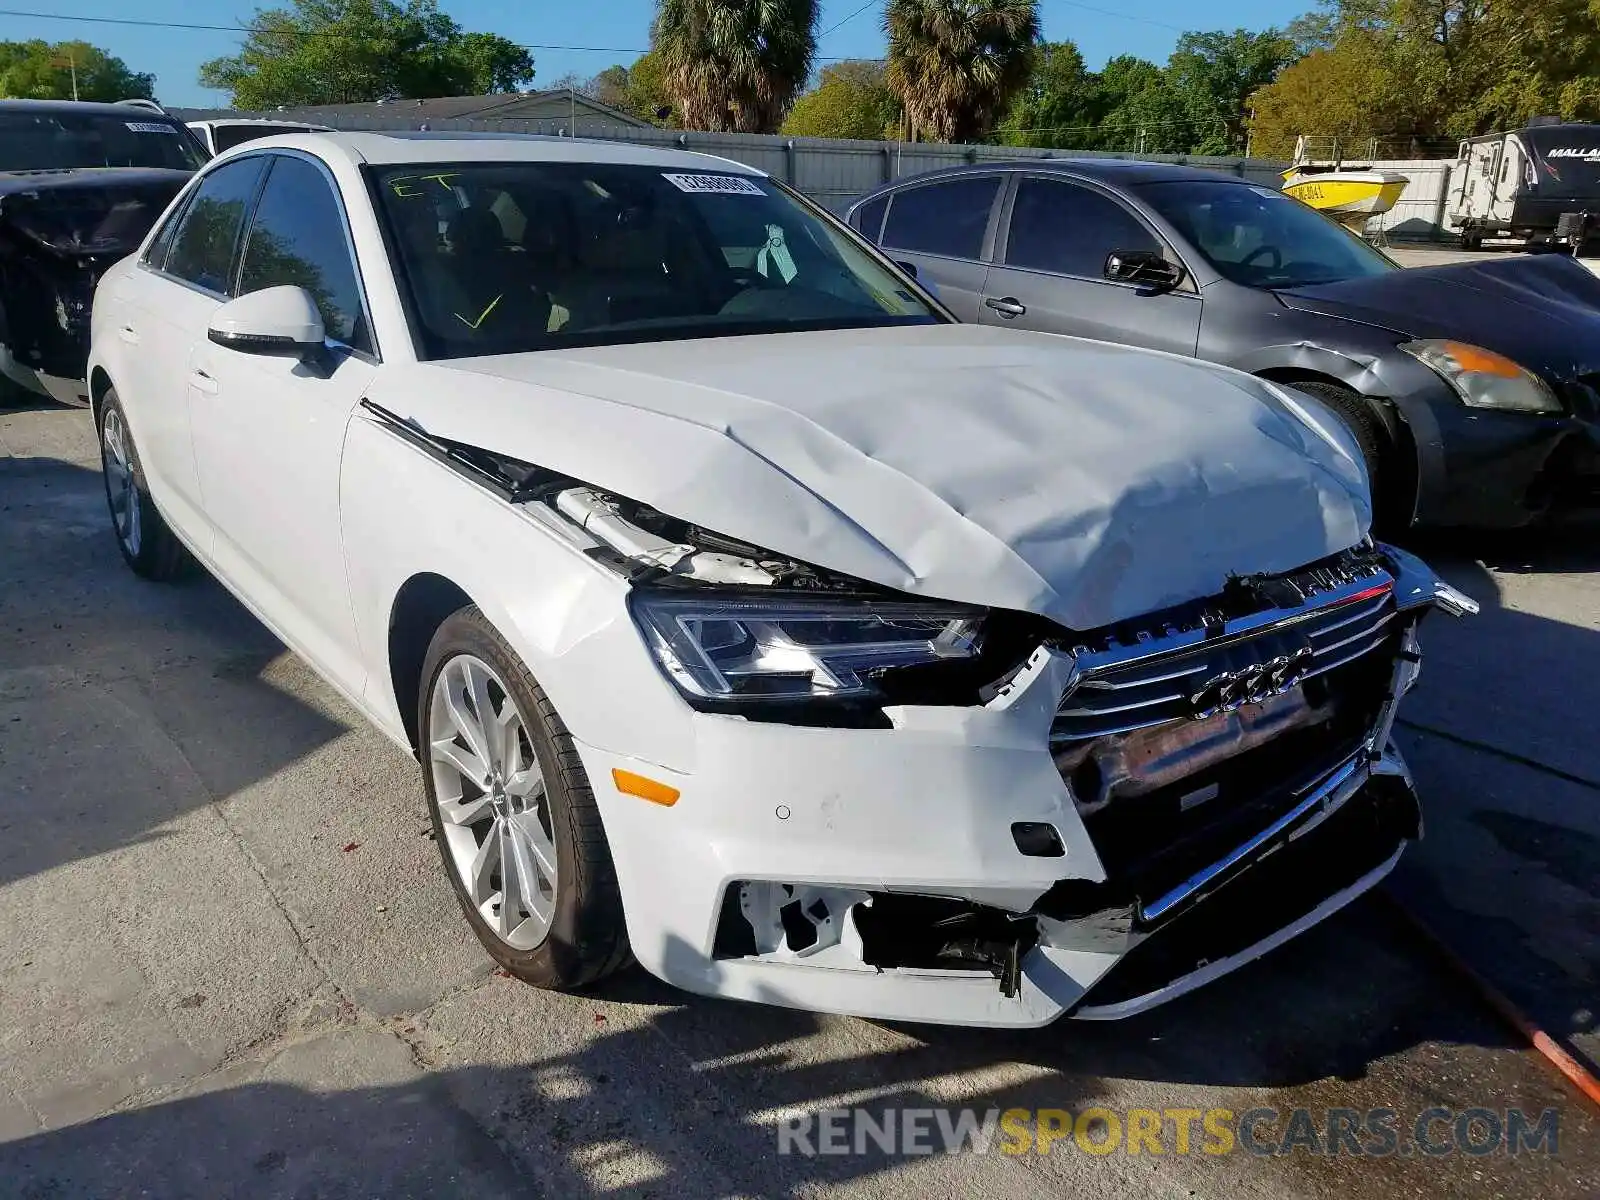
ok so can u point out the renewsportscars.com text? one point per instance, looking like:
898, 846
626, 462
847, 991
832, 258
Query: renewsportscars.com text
1370, 1133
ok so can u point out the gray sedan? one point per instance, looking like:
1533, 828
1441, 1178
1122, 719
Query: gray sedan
1471, 389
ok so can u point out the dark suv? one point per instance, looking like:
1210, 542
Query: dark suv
1471, 389
80, 186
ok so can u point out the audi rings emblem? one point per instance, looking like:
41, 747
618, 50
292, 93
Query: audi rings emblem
1231, 690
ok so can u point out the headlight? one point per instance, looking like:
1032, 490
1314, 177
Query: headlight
760, 650
1484, 379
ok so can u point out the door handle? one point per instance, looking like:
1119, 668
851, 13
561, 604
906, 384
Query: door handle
203, 383
1007, 306
128, 334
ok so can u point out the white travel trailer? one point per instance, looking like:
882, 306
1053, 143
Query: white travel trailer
1540, 184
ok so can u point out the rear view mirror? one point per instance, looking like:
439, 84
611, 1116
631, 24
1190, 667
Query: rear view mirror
276, 320
1144, 267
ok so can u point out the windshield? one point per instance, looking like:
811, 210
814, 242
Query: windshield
506, 257
1262, 238
61, 139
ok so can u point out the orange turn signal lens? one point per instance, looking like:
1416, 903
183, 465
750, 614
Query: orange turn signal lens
1482, 362
646, 789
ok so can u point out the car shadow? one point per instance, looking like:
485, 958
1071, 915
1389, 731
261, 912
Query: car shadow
1499, 734
689, 1101
123, 704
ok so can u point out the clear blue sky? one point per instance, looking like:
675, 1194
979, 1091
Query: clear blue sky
620, 27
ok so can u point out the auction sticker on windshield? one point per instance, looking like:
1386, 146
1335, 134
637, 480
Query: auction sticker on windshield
150, 127
736, 185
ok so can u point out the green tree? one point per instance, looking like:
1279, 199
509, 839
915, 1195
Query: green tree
1061, 103
640, 89
342, 51
1213, 75
735, 64
956, 64
1435, 69
851, 100
1347, 91
1142, 113
40, 70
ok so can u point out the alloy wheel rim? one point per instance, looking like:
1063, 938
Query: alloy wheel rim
121, 488
493, 802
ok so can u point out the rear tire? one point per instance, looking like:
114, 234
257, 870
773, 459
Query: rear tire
148, 546
563, 927
1372, 439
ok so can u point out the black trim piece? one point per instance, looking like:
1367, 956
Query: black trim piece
513, 480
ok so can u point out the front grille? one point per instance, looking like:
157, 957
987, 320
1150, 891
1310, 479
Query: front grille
1155, 680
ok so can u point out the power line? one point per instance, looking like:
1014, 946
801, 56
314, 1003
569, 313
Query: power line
846, 20
262, 29
1122, 16
268, 31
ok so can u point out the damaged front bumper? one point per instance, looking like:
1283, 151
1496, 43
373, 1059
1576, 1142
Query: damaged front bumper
966, 866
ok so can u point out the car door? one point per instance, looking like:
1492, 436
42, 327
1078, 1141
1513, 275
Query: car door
164, 305
1049, 271
943, 229
269, 429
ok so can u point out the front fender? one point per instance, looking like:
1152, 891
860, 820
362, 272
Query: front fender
1407, 392
404, 513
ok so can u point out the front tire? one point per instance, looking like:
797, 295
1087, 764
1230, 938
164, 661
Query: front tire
1371, 437
148, 546
513, 814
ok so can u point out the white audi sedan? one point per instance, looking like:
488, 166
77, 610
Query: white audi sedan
747, 616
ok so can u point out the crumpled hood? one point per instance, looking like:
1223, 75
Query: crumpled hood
1542, 310
1082, 481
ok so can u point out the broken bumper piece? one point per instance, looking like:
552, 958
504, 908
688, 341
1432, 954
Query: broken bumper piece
954, 869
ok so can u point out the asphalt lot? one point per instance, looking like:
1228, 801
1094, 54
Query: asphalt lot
230, 963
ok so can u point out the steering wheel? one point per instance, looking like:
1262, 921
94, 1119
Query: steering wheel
1261, 251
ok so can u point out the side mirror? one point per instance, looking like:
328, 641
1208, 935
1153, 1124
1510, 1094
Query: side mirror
910, 268
276, 320
1144, 267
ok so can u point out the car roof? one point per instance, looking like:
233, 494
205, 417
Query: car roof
87, 107
408, 147
1119, 172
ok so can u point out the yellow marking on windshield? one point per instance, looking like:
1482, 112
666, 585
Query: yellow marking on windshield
406, 187
483, 316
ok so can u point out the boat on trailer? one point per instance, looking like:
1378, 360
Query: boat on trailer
1352, 192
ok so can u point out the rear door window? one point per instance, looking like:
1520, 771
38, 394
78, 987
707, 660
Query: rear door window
869, 218
203, 250
1069, 229
948, 218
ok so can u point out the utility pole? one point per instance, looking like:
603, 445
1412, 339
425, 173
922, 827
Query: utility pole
70, 62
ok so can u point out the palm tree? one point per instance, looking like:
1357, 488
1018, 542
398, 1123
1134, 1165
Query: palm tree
735, 64
956, 63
